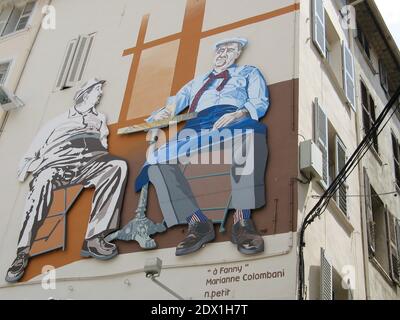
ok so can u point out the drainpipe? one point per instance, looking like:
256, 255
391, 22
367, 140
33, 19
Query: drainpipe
7, 113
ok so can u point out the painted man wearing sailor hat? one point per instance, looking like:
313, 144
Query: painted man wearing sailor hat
72, 150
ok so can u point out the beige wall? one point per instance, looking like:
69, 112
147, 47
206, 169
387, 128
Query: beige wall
341, 238
380, 167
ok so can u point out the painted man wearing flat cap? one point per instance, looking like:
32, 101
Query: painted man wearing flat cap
229, 97
72, 150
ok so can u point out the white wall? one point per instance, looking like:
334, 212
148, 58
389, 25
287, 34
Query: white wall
341, 238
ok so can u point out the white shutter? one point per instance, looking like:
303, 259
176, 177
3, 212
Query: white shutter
326, 277
4, 16
66, 65
319, 37
369, 214
341, 195
348, 76
321, 139
80, 59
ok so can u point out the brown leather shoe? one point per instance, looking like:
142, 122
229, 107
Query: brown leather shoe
248, 240
198, 235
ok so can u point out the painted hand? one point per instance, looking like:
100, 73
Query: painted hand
164, 113
229, 118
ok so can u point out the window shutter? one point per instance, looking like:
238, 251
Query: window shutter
80, 59
66, 65
369, 214
85, 60
4, 16
348, 76
319, 26
383, 76
392, 246
321, 139
398, 245
326, 277
340, 163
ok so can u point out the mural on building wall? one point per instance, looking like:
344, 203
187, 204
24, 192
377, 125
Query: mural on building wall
171, 200
72, 150
227, 103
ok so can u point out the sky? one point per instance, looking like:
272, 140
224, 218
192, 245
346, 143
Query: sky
390, 10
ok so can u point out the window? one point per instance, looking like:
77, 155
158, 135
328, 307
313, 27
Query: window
383, 233
369, 117
4, 67
333, 154
75, 61
363, 42
13, 18
396, 157
335, 51
384, 77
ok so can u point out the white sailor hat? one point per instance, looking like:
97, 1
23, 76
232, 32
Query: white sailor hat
242, 41
87, 86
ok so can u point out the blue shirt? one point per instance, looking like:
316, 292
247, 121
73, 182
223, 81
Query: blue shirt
246, 88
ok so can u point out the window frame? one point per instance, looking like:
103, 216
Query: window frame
384, 77
9, 62
14, 30
26, 15
369, 112
64, 78
6, 20
363, 41
396, 162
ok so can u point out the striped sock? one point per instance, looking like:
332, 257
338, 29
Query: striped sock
241, 214
198, 216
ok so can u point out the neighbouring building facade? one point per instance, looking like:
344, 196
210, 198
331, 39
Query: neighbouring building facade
311, 77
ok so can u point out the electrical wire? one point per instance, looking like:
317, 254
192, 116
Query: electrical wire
346, 171
361, 195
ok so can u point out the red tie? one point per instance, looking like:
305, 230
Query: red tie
211, 78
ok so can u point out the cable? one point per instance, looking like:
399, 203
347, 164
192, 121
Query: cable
349, 167
360, 195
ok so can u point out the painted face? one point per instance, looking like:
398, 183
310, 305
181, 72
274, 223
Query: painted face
226, 55
91, 99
